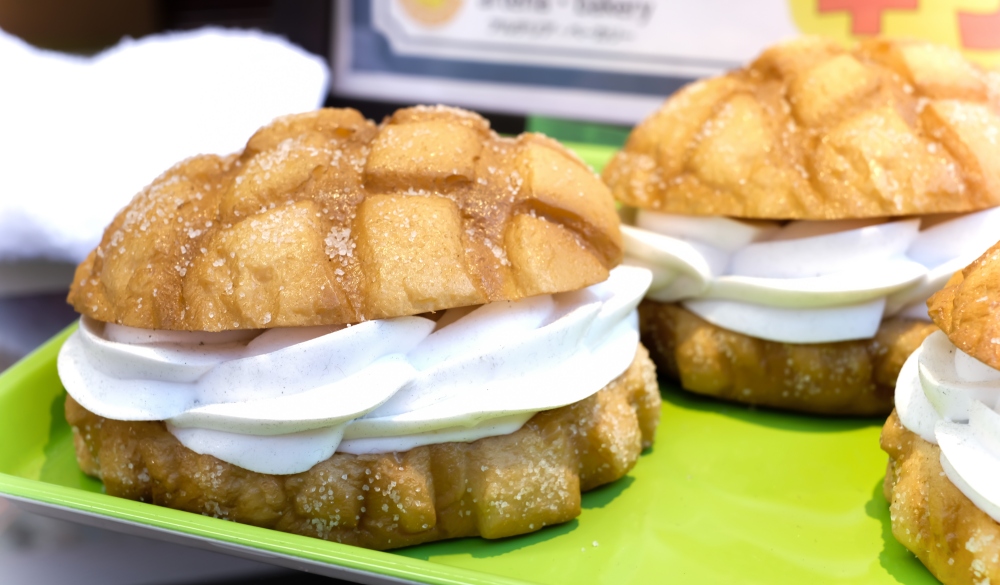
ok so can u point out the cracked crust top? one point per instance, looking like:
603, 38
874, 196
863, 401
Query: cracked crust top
326, 218
966, 308
811, 130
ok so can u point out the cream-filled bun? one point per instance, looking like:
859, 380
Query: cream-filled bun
375, 334
797, 214
943, 439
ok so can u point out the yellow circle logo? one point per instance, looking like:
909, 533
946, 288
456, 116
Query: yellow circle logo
431, 12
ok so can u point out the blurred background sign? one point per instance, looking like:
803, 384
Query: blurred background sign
605, 60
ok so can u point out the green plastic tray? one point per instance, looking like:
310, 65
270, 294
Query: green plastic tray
727, 494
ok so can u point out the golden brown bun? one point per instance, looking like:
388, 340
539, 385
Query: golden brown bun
811, 130
846, 377
494, 487
966, 308
953, 538
326, 218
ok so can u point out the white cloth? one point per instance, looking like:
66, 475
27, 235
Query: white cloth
79, 136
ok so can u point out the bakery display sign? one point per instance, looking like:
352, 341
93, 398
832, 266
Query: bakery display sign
605, 60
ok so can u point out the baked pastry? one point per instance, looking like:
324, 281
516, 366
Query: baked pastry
379, 335
944, 457
844, 377
791, 208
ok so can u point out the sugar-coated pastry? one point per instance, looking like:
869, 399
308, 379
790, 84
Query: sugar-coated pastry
953, 538
380, 335
495, 487
944, 453
804, 199
843, 377
811, 130
326, 218
965, 308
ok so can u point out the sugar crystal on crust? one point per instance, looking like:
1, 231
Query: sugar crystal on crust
955, 540
495, 487
280, 228
846, 377
811, 130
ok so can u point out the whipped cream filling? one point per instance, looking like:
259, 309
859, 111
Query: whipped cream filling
952, 399
281, 400
804, 281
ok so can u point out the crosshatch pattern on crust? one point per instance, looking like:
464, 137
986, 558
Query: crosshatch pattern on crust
327, 218
811, 130
966, 308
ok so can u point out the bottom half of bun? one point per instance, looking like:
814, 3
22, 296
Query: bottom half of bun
953, 538
844, 377
494, 487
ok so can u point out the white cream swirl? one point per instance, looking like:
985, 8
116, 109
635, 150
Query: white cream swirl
951, 399
281, 400
804, 281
